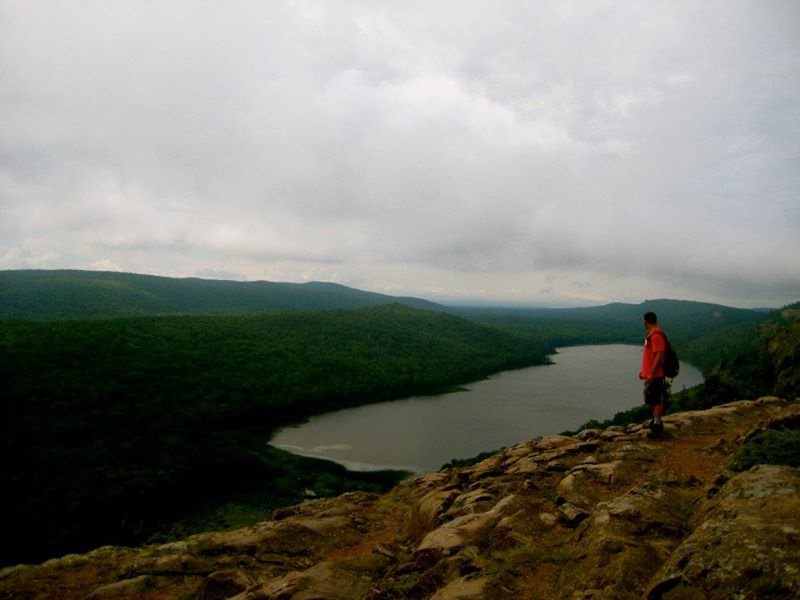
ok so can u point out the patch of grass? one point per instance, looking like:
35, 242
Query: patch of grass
773, 447
468, 462
530, 553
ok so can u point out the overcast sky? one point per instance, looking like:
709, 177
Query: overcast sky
549, 152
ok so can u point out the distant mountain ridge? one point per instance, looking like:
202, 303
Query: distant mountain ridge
45, 295
615, 322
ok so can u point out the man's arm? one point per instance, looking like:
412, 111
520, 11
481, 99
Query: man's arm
658, 360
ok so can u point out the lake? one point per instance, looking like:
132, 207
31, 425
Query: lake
421, 433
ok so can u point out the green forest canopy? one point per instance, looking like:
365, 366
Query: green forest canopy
117, 424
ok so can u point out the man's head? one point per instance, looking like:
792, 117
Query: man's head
650, 319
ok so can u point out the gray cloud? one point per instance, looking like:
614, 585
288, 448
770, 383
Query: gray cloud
559, 152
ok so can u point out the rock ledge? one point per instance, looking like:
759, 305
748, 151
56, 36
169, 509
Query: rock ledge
606, 514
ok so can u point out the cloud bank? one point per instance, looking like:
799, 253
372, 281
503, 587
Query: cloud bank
551, 152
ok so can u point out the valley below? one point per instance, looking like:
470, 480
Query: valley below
136, 462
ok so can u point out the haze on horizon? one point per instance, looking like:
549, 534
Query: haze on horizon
553, 153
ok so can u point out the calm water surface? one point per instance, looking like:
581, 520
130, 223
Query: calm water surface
420, 434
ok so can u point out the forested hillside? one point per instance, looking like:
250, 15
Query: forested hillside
58, 295
116, 427
757, 361
688, 324
54, 295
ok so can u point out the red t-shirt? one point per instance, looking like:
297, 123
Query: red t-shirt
656, 341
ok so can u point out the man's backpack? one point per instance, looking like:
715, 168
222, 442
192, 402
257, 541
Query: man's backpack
671, 365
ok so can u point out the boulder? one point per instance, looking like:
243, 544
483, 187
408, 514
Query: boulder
465, 588
224, 584
425, 513
322, 581
571, 515
126, 588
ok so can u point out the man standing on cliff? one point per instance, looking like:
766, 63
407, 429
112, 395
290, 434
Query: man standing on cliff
656, 390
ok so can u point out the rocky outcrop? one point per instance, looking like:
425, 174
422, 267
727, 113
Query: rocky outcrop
606, 514
746, 538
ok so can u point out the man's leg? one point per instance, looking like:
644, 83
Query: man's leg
658, 412
658, 393
656, 425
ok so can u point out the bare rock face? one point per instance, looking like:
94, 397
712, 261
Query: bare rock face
747, 543
624, 541
604, 515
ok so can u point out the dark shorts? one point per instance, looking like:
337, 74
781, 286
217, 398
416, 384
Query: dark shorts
656, 392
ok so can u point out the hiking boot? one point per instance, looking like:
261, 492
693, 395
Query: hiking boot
656, 430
